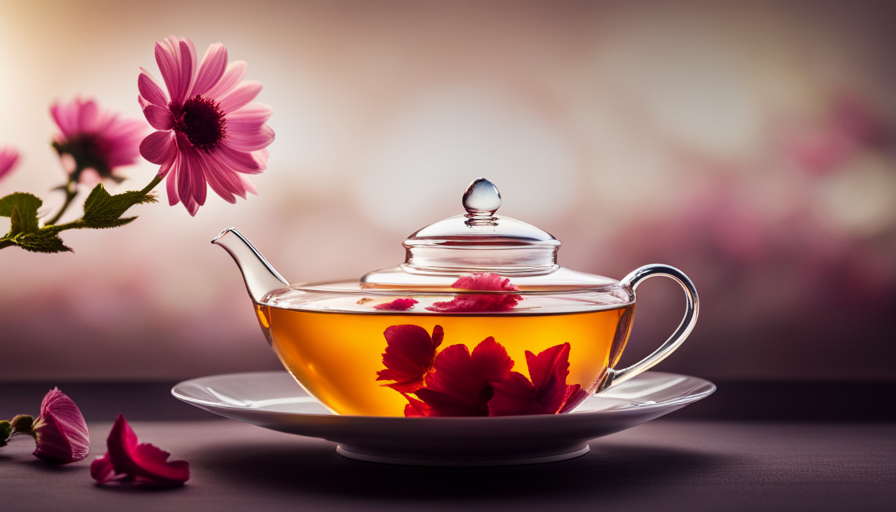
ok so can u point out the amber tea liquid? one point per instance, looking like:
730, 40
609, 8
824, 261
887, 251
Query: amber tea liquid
336, 356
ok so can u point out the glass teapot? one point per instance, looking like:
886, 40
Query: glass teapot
479, 320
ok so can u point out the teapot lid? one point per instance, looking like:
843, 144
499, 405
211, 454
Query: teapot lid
479, 241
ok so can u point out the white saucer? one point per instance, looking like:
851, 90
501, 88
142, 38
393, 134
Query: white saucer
273, 400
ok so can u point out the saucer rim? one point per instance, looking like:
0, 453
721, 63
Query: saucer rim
709, 389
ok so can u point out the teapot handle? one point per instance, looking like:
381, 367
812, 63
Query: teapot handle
692, 308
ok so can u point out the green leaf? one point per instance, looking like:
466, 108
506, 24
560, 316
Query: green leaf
103, 210
40, 241
21, 208
5, 431
23, 199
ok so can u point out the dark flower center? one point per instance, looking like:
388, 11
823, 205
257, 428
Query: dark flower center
89, 153
202, 121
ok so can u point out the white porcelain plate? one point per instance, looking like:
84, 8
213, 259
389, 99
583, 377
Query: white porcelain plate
273, 400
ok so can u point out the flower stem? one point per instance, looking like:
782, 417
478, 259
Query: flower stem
152, 184
71, 190
22, 424
51, 229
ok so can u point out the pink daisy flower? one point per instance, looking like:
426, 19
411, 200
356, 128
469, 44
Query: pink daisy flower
209, 130
8, 159
97, 139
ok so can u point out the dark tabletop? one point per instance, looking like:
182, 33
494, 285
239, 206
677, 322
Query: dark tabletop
688, 464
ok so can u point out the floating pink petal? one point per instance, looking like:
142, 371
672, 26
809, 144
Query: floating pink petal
128, 459
397, 305
546, 393
480, 302
461, 383
210, 132
8, 159
409, 356
97, 139
60, 431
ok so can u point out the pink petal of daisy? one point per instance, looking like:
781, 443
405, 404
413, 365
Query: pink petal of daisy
226, 184
87, 116
189, 173
258, 140
247, 185
248, 119
403, 304
188, 63
171, 64
62, 115
158, 147
198, 176
234, 74
171, 182
212, 68
150, 90
239, 161
240, 96
261, 157
159, 117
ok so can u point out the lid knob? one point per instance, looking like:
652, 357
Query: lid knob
481, 200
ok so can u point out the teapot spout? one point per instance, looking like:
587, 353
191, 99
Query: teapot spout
259, 275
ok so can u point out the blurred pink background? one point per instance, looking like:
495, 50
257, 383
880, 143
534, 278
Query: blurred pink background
750, 145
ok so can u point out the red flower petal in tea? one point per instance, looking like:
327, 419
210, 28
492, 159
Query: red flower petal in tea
415, 407
461, 383
409, 356
574, 396
480, 303
397, 305
137, 461
546, 393
60, 431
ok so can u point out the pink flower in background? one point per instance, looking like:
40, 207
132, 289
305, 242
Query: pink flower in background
483, 302
8, 159
60, 431
850, 127
97, 139
132, 460
209, 130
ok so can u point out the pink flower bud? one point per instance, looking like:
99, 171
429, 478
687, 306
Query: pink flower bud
60, 431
